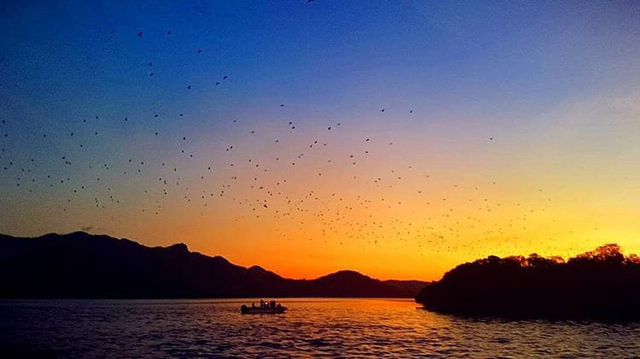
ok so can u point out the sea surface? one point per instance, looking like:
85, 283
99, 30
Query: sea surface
311, 327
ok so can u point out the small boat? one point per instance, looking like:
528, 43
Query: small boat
264, 308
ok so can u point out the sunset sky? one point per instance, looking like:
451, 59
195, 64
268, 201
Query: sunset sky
508, 128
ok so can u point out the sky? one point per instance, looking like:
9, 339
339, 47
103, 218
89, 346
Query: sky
396, 138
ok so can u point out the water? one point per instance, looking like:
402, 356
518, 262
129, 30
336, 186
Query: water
327, 327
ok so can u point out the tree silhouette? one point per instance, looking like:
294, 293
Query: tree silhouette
602, 283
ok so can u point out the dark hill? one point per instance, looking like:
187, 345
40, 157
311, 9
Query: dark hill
603, 284
80, 265
350, 284
413, 285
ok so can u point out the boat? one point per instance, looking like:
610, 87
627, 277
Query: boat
257, 310
264, 308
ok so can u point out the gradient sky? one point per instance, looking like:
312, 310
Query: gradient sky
508, 128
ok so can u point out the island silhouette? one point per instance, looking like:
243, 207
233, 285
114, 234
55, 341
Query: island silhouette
81, 265
600, 284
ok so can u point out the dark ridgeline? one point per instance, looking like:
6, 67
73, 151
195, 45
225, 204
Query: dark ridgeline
80, 265
413, 285
602, 284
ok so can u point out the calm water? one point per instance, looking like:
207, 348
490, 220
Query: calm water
328, 327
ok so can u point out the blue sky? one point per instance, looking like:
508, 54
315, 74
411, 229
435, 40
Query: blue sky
531, 73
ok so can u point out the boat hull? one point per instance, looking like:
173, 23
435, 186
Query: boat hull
255, 310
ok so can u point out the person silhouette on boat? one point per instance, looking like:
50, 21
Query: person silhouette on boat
265, 307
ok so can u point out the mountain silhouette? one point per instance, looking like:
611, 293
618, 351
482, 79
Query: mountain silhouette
601, 284
81, 265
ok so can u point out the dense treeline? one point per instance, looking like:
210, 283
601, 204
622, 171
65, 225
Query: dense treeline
601, 284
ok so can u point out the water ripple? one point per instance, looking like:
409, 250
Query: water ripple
312, 327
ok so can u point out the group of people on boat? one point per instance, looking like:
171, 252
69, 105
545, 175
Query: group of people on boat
267, 305
264, 308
